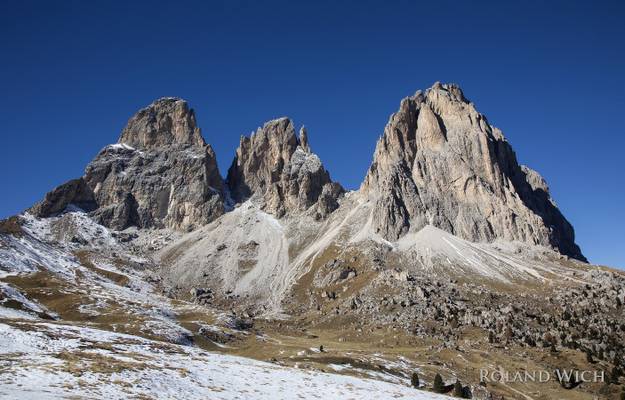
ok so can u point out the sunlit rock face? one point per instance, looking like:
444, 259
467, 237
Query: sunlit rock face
278, 169
439, 162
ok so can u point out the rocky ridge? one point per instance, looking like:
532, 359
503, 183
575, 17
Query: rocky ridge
162, 174
439, 165
439, 162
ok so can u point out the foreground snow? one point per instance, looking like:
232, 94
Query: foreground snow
63, 359
41, 360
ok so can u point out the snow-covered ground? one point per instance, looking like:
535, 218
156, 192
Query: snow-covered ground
40, 249
77, 358
40, 360
109, 289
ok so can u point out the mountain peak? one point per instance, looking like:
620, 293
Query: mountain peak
278, 168
452, 88
176, 184
166, 121
440, 162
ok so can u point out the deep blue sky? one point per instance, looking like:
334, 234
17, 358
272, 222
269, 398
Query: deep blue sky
551, 76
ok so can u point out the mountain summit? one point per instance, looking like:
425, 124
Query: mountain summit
280, 168
439, 162
166, 121
160, 174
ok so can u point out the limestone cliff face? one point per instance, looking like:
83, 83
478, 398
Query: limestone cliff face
276, 167
440, 162
160, 174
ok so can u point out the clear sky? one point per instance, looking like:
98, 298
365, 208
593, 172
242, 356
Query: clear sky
551, 76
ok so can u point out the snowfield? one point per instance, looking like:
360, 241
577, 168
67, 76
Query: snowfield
40, 360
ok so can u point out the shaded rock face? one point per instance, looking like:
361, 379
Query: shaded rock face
278, 168
441, 163
75, 192
160, 174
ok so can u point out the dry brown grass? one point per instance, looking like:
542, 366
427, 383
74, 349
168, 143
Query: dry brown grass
54, 293
79, 361
65, 299
84, 257
474, 352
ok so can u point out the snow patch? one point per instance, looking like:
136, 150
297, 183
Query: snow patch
120, 146
161, 370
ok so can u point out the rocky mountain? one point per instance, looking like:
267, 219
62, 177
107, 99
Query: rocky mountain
281, 171
439, 162
450, 257
160, 174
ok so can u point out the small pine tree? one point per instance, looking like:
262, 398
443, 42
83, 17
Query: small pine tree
568, 384
458, 392
553, 348
321, 350
438, 386
589, 357
508, 334
615, 375
491, 337
414, 380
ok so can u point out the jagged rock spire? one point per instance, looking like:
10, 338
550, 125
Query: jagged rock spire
278, 169
441, 163
303, 138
